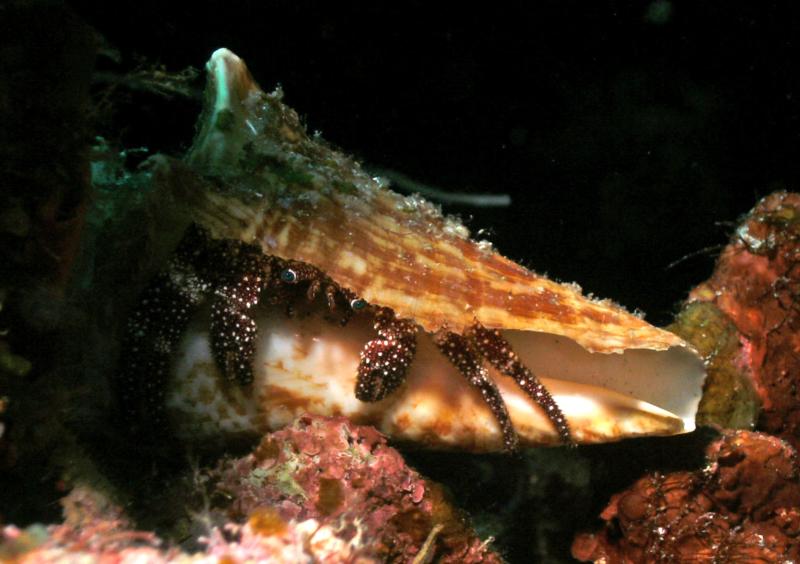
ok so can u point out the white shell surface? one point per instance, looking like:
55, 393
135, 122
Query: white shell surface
307, 364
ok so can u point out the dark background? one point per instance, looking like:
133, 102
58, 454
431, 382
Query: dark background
629, 134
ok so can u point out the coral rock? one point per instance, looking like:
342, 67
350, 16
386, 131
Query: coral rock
742, 507
306, 542
319, 491
729, 398
332, 471
754, 285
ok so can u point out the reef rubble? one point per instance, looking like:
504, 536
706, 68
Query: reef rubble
742, 506
320, 490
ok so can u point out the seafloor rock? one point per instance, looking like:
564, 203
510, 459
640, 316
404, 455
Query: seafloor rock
741, 507
320, 490
105, 542
95, 530
729, 398
332, 471
755, 285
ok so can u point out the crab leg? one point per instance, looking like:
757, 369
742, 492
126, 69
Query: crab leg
233, 331
385, 360
152, 335
494, 348
307, 364
458, 350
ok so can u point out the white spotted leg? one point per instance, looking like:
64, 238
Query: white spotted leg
494, 348
385, 360
459, 351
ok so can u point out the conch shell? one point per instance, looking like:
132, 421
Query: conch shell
612, 374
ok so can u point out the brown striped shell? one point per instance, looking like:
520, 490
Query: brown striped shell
267, 182
301, 200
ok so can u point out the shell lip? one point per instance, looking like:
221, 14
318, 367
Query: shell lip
670, 379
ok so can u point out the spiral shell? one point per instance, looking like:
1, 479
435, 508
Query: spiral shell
277, 187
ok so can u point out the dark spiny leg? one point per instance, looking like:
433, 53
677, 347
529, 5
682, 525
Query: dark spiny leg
458, 350
152, 335
233, 331
384, 360
495, 349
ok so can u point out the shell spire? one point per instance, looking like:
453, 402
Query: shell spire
395, 249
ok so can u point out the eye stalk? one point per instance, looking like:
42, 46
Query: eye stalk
358, 304
289, 276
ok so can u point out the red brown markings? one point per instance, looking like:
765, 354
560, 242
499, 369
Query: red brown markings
533, 302
602, 317
541, 304
426, 288
370, 247
442, 427
403, 422
279, 395
476, 286
504, 267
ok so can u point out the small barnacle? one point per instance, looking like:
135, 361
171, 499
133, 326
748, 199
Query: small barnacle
407, 205
485, 246
454, 227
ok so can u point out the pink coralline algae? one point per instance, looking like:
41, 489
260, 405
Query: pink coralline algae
743, 506
330, 470
319, 491
105, 542
756, 285
94, 530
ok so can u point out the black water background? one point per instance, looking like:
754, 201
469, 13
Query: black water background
629, 134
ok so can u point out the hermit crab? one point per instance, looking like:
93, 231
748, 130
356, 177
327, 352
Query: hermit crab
305, 285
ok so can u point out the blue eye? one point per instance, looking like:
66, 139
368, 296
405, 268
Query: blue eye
358, 304
289, 275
